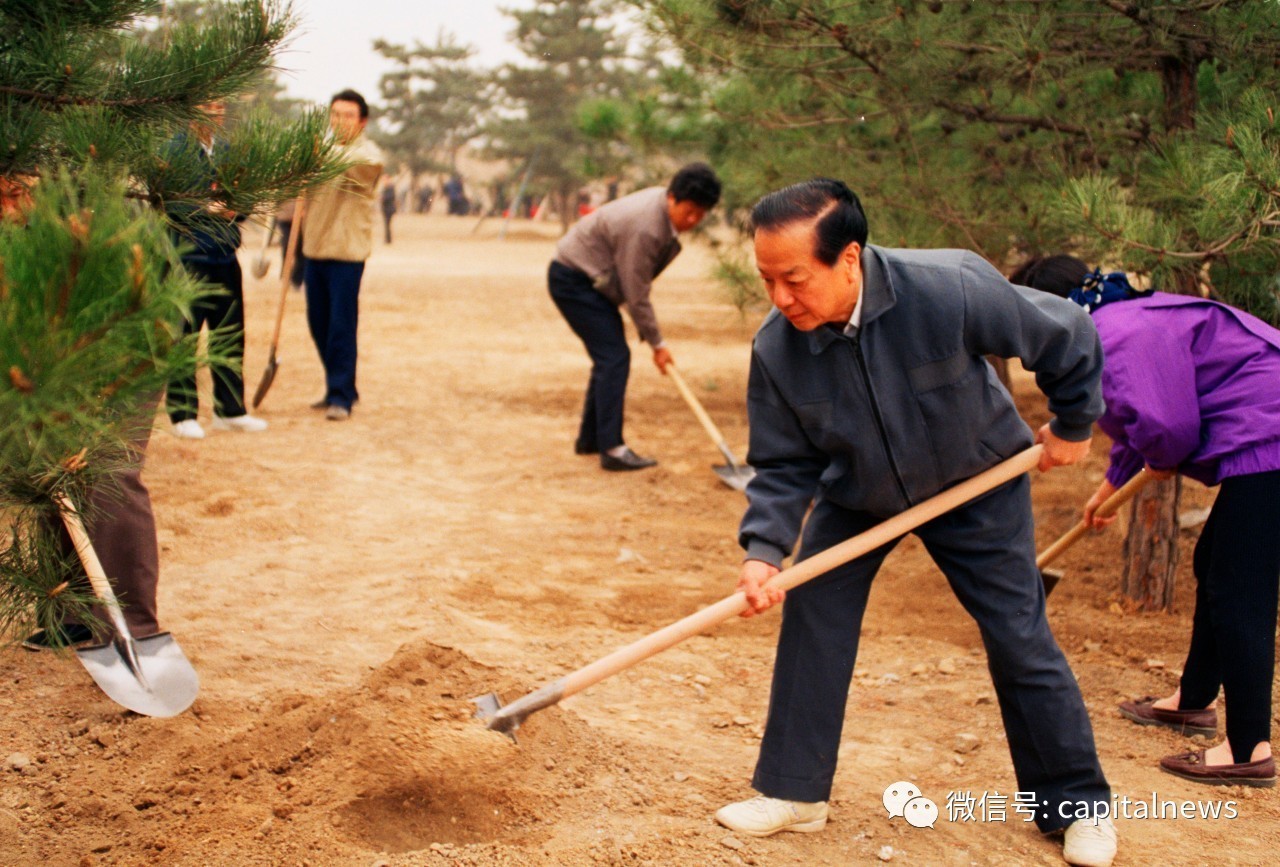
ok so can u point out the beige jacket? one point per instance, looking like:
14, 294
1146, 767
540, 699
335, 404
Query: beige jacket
339, 215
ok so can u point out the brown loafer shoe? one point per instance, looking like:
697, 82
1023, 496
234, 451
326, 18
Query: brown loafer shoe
1184, 722
1190, 766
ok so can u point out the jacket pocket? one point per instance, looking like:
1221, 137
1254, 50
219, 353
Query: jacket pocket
936, 374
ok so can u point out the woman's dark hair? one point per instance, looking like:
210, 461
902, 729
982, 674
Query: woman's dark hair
696, 183
841, 220
350, 95
1057, 274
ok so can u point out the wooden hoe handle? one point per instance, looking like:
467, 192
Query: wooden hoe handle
1108, 508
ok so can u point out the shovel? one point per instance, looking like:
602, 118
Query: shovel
507, 719
1109, 507
150, 676
273, 361
260, 264
734, 474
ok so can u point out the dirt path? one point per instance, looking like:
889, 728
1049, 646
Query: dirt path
343, 589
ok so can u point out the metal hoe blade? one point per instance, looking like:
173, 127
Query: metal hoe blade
154, 680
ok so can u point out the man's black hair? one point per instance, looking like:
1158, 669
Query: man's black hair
841, 220
1057, 274
350, 95
696, 183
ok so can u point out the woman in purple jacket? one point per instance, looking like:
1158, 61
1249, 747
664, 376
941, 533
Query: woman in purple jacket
1193, 387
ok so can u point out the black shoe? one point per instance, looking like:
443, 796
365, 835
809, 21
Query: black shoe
72, 633
580, 449
628, 460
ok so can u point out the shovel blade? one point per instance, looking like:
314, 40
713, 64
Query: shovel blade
268, 376
735, 477
168, 684
487, 707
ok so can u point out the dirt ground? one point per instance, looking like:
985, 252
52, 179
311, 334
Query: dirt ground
344, 589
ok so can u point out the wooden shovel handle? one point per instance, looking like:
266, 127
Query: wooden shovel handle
84, 550
290, 255
696, 405
837, 555
1108, 508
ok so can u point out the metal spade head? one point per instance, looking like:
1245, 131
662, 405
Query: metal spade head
487, 708
735, 477
163, 685
268, 376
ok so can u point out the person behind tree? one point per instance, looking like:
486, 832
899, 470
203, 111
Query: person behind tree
211, 256
1192, 386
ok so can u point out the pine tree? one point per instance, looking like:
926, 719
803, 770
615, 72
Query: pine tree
1138, 133
432, 103
92, 294
556, 104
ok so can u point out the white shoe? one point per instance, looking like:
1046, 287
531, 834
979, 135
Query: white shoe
761, 816
188, 429
242, 423
1090, 843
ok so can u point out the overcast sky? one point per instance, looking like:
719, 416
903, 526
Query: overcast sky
333, 47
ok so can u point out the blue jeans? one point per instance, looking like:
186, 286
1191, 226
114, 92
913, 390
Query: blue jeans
986, 550
333, 311
597, 322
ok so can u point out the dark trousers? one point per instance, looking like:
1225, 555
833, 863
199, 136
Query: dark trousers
987, 551
598, 324
122, 530
1233, 633
224, 309
333, 312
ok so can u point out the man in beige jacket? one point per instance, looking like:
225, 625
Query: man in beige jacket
337, 241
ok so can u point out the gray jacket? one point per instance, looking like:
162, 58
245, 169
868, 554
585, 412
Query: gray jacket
881, 420
622, 247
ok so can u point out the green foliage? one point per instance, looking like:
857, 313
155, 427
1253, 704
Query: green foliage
962, 124
95, 101
92, 298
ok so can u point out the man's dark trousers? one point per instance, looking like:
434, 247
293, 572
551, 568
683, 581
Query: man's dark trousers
597, 322
225, 309
333, 312
986, 550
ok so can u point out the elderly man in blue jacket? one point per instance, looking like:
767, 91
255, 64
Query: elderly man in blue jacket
869, 393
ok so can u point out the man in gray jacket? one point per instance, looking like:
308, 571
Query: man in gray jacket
611, 258
869, 393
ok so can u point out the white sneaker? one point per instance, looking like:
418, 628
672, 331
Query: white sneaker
761, 816
242, 423
1090, 843
188, 429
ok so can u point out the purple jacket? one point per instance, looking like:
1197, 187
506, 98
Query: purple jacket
1191, 385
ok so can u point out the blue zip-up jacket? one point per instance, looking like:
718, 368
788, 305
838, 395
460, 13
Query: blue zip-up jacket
907, 407
208, 240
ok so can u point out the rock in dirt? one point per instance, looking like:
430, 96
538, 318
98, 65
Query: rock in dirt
17, 762
966, 743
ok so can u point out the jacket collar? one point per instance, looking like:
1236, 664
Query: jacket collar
878, 296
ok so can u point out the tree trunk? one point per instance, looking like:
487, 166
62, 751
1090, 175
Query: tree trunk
1151, 548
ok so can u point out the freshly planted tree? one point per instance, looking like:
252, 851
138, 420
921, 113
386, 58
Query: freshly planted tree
91, 291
